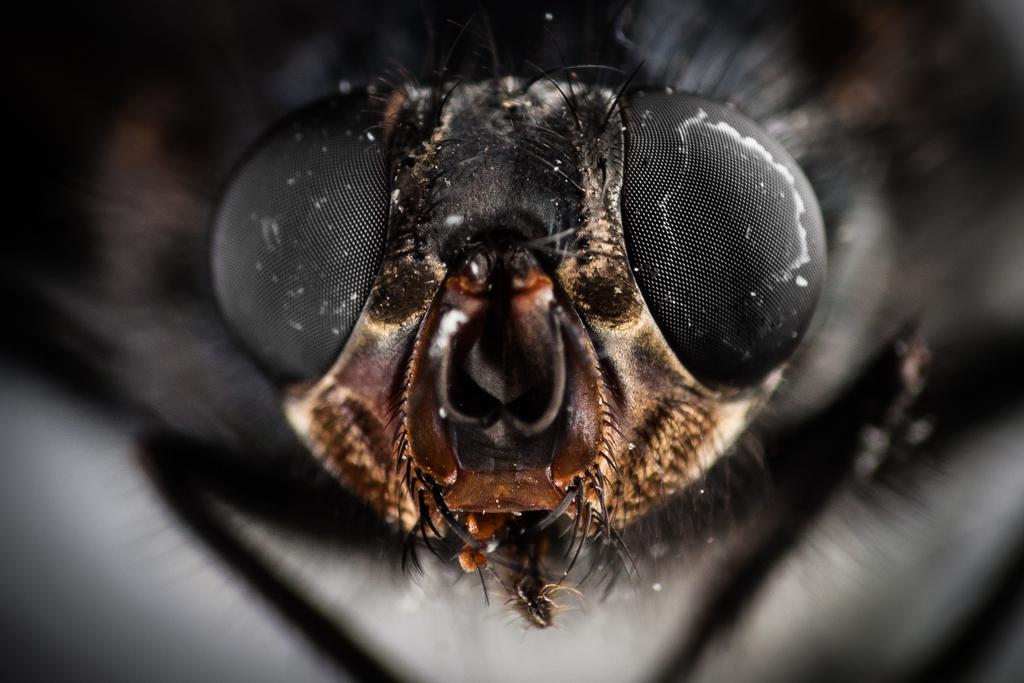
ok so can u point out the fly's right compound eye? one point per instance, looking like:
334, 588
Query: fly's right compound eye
299, 234
724, 235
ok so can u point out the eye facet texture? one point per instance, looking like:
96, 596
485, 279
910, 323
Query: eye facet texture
299, 234
724, 235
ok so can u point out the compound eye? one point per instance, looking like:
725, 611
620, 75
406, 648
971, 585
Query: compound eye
298, 236
724, 235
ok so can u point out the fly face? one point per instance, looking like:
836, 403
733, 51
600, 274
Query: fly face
507, 308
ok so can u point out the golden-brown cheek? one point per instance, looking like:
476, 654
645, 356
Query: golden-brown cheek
352, 443
672, 428
350, 418
676, 439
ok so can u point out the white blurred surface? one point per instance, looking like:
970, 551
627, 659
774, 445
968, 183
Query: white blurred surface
99, 580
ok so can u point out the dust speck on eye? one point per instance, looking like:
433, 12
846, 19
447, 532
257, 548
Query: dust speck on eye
295, 325
656, 588
270, 231
344, 86
548, 16
369, 136
453, 219
801, 281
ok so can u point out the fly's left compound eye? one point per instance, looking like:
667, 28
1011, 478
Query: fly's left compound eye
298, 237
724, 235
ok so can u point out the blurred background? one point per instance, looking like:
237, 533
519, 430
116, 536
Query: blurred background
159, 521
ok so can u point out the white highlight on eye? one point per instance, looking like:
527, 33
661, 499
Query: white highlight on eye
454, 219
700, 118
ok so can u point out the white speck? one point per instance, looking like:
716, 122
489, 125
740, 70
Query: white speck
335, 331
353, 296
271, 233
801, 281
290, 181
919, 431
344, 86
753, 294
548, 16
295, 325
631, 446
442, 413
369, 136
656, 588
454, 219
